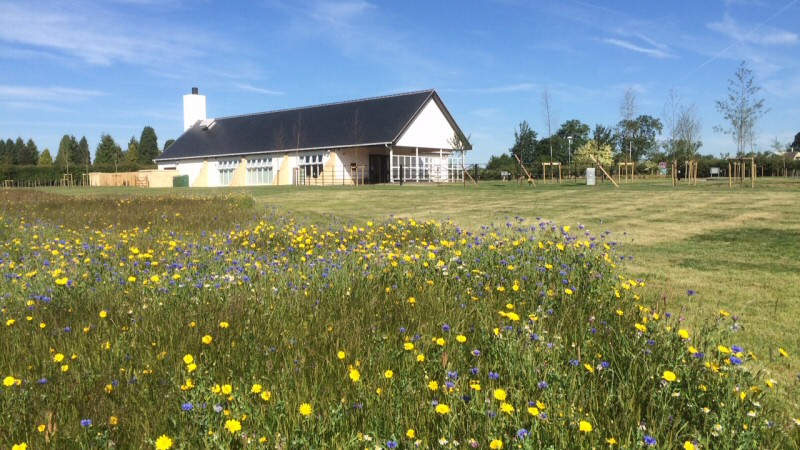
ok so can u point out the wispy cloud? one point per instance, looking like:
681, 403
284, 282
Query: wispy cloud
45, 94
250, 88
766, 36
101, 38
654, 50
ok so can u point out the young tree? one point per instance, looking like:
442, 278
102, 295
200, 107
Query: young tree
524, 143
66, 149
603, 153
546, 107
795, 145
29, 154
741, 109
148, 146
132, 153
46, 159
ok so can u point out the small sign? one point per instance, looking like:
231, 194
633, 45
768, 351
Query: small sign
662, 166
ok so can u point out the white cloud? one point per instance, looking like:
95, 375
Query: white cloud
250, 88
758, 34
94, 34
45, 94
652, 51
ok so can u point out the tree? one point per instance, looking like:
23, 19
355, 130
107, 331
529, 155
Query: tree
7, 152
546, 106
148, 146
795, 146
524, 143
168, 144
132, 154
29, 154
84, 154
603, 153
642, 138
19, 149
108, 151
741, 109
46, 159
67, 152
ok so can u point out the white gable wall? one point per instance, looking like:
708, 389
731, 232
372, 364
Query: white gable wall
430, 129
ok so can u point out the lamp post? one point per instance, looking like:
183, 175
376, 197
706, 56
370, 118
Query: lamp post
569, 153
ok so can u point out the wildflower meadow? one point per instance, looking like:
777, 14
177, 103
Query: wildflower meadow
213, 322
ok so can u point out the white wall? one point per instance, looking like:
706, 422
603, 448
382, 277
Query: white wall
429, 130
189, 167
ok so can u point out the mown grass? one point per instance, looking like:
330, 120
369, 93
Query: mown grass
300, 275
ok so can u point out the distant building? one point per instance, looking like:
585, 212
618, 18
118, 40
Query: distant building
376, 140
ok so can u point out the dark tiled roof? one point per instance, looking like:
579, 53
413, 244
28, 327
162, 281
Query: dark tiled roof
379, 120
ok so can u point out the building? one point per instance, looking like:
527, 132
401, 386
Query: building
409, 136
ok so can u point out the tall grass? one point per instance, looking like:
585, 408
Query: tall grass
213, 323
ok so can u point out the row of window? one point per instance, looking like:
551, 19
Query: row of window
260, 171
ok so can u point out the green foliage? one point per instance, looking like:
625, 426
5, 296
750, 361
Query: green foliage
168, 143
742, 110
108, 152
638, 137
524, 143
148, 146
84, 155
603, 154
46, 159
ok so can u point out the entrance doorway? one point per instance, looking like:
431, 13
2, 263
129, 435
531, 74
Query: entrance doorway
379, 168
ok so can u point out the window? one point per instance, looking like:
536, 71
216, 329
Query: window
226, 169
259, 171
311, 165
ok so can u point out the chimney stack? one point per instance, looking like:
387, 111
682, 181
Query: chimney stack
194, 108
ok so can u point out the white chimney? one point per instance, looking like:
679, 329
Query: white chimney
194, 108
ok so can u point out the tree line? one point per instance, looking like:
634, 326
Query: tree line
637, 138
74, 153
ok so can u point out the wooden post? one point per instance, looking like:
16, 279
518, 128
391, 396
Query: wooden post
604, 170
530, 178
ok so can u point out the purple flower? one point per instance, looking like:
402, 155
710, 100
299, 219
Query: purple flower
474, 370
650, 440
446, 328
691, 292
476, 352
735, 361
543, 385
494, 375
187, 407
737, 349
391, 444
522, 433
86, 423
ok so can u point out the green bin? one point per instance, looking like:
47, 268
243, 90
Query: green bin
180, 181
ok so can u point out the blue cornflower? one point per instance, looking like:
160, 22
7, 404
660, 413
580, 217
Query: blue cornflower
494, 375
474, 370
522, 433
650, 440
543, 385
391, 444
574, 362
187, 406
446, 328
691, 292
86, 423
735, 361
476, 352
737, 349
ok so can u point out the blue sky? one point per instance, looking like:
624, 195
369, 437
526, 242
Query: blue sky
90, 67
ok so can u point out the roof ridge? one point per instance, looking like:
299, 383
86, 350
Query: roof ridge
321, 105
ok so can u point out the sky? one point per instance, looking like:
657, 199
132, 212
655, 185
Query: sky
115, 66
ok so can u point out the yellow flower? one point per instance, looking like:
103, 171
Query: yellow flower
433, 385
224, 324
65, 368
191, 367
532, 410
499, 394
103, 314
684, 334
588, 367
41, 428
58, 357
109, 388
233, 425
355, 375
163, 442
227, 389
408, 346
113, 421
723, 349
266, 395
411, 434
155, 279
496, 444
188, 359
388, 374
9, 381
568, 291
611, 441
641, 328
461, 339
10, 322
783, 353
341, 355
256, 389
207, 339
306, 409
585, 426
669, 376
22, 446
506, 408
420, 358
440, 341
688, 445
442, 409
